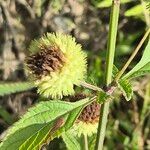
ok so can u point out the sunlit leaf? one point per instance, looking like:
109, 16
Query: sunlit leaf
72, 142
103, 97
126, 89
42, 123
9, 88
124, 85
143, 67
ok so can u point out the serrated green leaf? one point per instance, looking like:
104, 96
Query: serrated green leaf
143, 67
42, 123
115, 71
50, 131
37, 139
72, 142
126, 89
102, 97
134, 11
124, 85
9, 88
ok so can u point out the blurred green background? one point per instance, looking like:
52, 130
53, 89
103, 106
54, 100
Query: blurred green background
87, 20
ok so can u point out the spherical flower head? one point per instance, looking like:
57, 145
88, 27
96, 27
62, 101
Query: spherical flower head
56, 63
87, 122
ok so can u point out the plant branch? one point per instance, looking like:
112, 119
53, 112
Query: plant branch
109, 67
120, 73
109, 89
90, 86
146, 13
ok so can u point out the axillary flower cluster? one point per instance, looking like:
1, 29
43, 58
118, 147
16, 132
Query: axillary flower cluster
56, 63
87, 122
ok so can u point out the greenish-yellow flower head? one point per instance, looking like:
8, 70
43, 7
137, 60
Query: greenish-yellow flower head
87, 122
56, 63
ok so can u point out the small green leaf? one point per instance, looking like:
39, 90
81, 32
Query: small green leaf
115, 71
143, 67
42, 123
134, 11
102, 97
123, 85
9, 88
72, 142
126, 89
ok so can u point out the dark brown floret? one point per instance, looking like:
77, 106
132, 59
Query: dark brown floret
48, 59
90, 113
77, 97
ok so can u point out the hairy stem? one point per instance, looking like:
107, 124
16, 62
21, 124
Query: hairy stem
90, 86
120, 73
109, 67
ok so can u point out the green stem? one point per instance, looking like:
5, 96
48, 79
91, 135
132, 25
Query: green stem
109, 67
146, 13
85, 142
120, 73
90, 86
